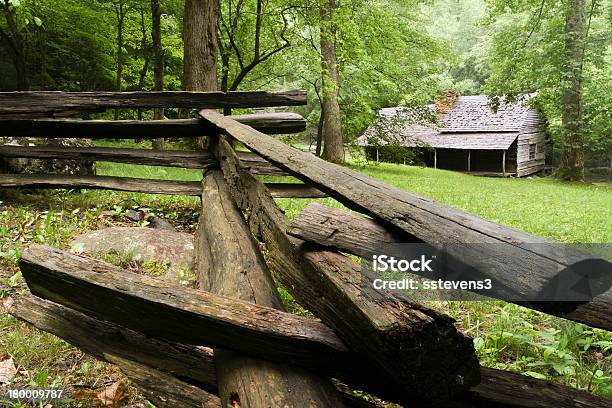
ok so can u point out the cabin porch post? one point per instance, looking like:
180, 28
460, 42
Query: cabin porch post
469, 161
435, 159
504, 163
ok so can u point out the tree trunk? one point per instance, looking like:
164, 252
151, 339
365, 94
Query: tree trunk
17, 45
200, 31
158, 68
200, 42
333, 149
572, 161
146, 54
320, 133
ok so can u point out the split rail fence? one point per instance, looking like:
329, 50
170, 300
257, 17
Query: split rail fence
230, 342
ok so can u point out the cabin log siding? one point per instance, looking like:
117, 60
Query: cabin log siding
531, 133
525, 165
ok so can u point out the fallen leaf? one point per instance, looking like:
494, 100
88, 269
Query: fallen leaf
5, 304
7, 371
84, 395
114, 395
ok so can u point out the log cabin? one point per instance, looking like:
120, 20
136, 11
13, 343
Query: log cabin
468, 136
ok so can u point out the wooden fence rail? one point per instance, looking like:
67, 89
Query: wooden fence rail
230, 263
140, 185
525, 267
329, 284
188, 316
15, 103
194, 365
365, 237
269, 123
368, 339
169, 158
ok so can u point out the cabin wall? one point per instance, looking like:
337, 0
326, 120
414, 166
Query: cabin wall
511, 154
531, 146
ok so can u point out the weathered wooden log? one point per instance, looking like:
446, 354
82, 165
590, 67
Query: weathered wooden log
343, 231
48, 102
528, 261
102, 129
178, 314
274, 123
138, 185
501, 389
195, 365
103, 339
236, 269
154, 365
294, 190
162, 389
111, 343
169, 158
420, 351
258, 165
347, 232
269, 123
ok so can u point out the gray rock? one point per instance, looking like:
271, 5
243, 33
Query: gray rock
134, 215
160, 223
174, 250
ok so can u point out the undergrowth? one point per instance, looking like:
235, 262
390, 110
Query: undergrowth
505, 336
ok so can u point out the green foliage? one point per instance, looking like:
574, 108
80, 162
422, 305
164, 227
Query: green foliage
71, 45
386, 58
527, 56
513, 338
457, 24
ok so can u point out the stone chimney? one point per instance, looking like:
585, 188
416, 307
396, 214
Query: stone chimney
445, 102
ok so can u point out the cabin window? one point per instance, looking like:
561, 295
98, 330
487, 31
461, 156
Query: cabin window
532, 151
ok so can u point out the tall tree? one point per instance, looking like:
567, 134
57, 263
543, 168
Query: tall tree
16, 42
121, 10
572, 161
200, 41
158, 68
333, 147
562, 52
200, 34
145, 49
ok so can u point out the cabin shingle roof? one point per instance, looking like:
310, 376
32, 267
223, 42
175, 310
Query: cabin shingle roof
470, 124
472, 113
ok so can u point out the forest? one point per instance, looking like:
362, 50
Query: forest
350, 63
155, 252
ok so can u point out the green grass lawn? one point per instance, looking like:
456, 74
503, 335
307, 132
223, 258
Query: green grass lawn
506, 336
559, 211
